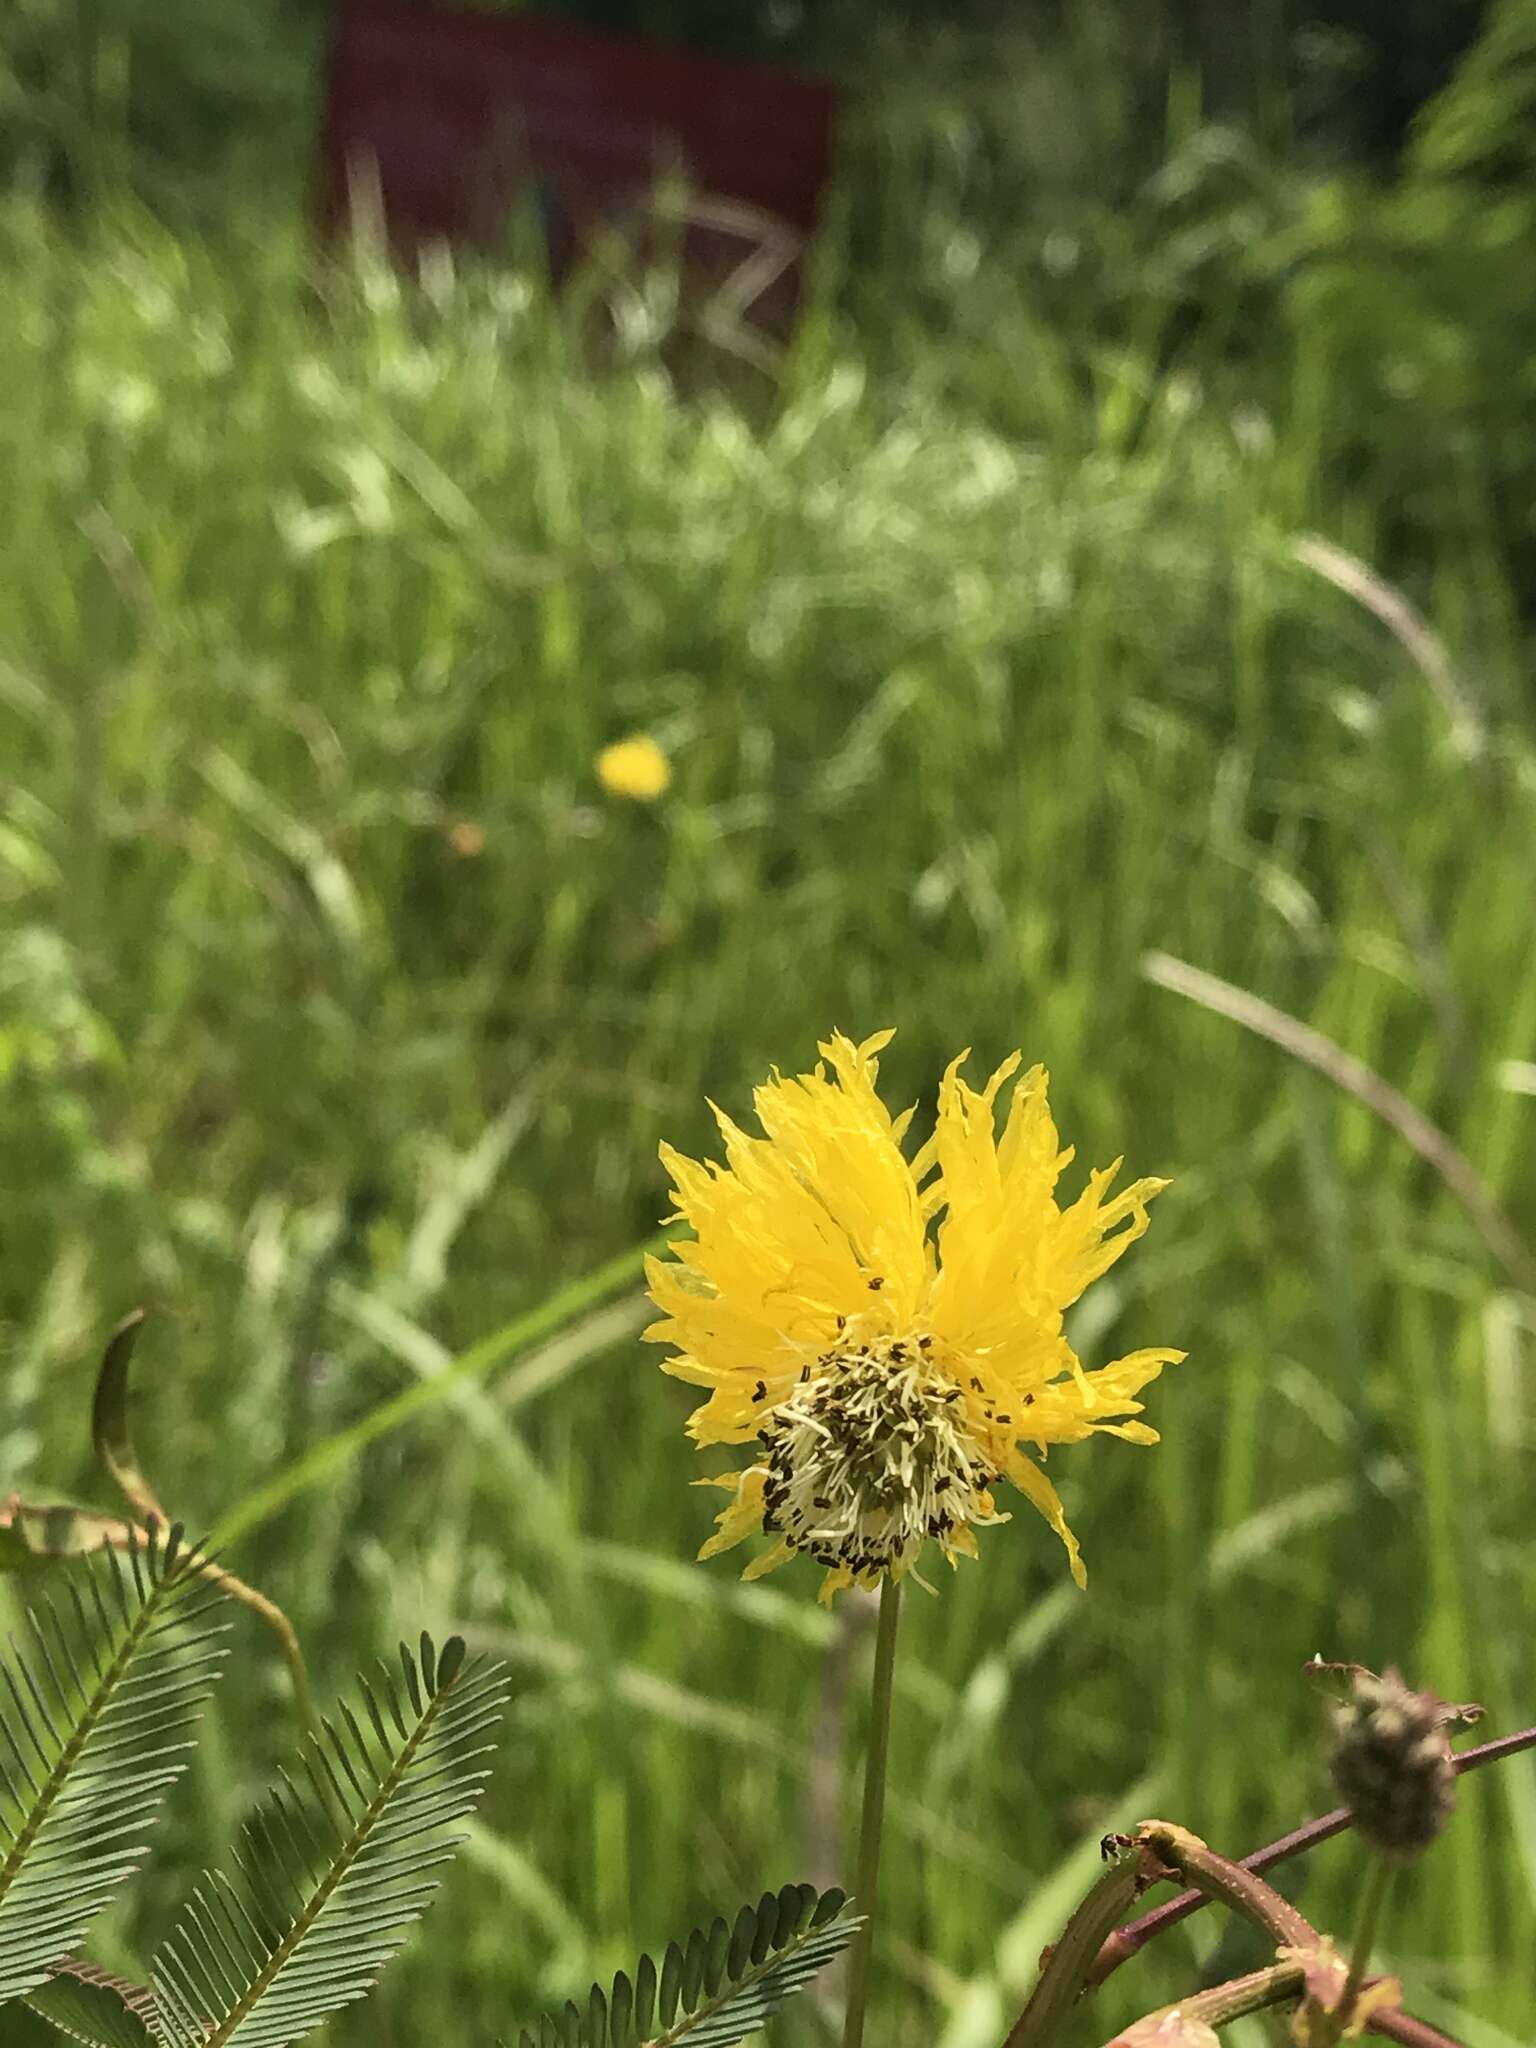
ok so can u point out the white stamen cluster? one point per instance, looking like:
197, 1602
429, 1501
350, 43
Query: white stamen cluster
869, 1457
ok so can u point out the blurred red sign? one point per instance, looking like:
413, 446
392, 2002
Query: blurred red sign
449, 119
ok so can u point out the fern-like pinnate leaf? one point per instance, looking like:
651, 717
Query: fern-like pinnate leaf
725, 1982
334, 1870
87, 2005
97, 1704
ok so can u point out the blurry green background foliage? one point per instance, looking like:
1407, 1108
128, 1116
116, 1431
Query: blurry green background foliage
341, 1011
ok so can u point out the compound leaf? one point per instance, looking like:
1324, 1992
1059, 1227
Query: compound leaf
336, 1868
97, 1704
724, 1982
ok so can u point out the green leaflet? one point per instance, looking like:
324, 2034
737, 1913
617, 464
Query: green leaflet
723, 1983
97, 1703
336, 1867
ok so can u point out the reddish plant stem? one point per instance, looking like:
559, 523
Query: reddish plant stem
1125, 1941
1402, 2026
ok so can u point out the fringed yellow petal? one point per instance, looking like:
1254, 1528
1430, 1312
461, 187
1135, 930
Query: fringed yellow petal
777, 1554
802, 1230
1085, 1250
999, 1212
681, 1367
1123, 1377
744, 1514
725, 1418
1112, 1390
840, 1145
1070, 1410
1010, 1259
862, 1060
1035, 1487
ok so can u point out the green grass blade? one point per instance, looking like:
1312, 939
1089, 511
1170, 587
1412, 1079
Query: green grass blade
332, 1453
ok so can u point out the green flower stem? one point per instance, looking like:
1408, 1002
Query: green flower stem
1378, 1879
867, 1882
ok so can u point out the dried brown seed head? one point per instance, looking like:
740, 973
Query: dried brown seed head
1392, 1763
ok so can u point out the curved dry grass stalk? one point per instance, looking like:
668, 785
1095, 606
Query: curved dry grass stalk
1424, 648
1309, 1046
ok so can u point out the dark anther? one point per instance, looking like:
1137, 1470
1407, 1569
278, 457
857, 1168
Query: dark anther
760, 1390
876, 1284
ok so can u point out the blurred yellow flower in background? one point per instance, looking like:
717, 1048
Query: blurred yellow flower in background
635, 767
886, 1332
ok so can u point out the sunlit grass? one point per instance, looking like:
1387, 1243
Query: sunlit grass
343, 1008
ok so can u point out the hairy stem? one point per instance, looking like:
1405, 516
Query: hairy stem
1066, 1966
1276, 1985
1242, 1889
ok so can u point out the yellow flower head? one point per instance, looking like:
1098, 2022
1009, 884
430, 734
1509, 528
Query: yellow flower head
885, 1332
635, 767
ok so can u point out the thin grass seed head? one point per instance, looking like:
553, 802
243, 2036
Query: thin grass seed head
886, 1331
